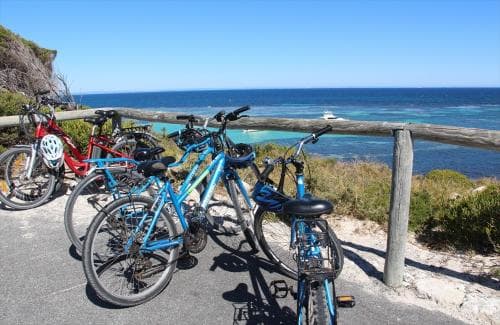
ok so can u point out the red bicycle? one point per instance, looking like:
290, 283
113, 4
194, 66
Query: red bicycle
32, 172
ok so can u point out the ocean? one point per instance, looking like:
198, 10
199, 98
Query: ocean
465, 107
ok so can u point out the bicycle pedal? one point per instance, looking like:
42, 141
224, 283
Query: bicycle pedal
279, 288
346, 301
219, 220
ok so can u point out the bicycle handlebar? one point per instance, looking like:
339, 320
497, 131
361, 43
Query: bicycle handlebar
322, 131
190, 118
234, 115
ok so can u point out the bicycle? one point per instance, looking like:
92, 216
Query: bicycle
105, 183
294, 237
139, 233
30, 176
108, 182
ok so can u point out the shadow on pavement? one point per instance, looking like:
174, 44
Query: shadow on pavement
261, 306
74, 253
96, 301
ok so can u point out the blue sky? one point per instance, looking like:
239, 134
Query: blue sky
169, 45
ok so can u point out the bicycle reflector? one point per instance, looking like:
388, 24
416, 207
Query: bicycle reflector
52, 151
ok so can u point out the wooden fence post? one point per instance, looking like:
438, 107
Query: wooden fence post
400, 208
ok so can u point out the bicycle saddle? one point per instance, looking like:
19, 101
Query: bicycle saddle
99, 120
155, 167
143, 154
307, 208
107, 114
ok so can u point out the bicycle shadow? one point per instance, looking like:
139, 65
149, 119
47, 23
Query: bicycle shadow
260, 307
372, 271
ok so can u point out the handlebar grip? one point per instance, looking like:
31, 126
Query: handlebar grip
241, 110
173, 134
267, 171
185, 117
322, 131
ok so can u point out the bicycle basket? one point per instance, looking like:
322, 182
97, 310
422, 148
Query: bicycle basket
268, 197
240, 155
190, 137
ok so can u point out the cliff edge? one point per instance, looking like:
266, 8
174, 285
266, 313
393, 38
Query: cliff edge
25, 66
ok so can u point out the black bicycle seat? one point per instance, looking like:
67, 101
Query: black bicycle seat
99, 120
155, 167
143, 154
107, 113
307, 208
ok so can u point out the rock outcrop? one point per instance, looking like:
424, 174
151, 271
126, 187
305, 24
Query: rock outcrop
24, 66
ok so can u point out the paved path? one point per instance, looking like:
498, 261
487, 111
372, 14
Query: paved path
42, 282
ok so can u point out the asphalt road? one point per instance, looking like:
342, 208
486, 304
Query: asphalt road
42, 282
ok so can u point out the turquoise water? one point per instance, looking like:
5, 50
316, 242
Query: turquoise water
465, 107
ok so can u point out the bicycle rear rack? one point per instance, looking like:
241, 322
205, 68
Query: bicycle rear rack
314, 258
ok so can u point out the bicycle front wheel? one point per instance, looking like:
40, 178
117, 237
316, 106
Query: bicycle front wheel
273, 234
128, 278
17, 191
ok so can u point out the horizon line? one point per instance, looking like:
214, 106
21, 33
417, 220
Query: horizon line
104, 92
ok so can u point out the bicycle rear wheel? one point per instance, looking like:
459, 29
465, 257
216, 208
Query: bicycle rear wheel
89, 197
133, 277
17, 191
273, 234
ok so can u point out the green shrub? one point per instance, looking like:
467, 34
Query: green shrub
10, 104
474, 221
449, 177
421, 210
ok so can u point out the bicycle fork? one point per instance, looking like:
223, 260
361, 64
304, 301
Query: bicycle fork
32, 160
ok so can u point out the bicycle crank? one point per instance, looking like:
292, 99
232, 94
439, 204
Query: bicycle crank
195, 239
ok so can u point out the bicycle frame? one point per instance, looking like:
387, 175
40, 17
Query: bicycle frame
101, 164
73, 158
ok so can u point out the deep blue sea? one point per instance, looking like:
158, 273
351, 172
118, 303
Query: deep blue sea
466, 107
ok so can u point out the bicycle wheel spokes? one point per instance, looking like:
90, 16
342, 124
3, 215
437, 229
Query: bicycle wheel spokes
89, 197
90, 200
273, 231
120, 272
17, 190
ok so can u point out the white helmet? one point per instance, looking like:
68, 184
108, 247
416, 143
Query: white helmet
52, 151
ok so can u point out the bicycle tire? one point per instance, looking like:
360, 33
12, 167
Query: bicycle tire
11, 194
93, 189
125, 147
273, 235
247, 232
317, 312
96, 263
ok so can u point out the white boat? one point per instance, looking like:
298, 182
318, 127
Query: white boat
249, 130
328, 115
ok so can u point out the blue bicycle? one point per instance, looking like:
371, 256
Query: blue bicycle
112, 178
132, 245
109, 179
292, 234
